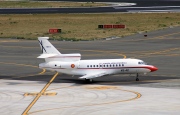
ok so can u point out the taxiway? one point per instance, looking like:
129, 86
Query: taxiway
155, 93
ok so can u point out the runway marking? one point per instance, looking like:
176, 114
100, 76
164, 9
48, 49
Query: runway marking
101, 87
44, 70
138, 95
117, 53
45, 94
39, 94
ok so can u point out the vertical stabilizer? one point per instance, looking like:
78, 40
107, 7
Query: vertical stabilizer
50, 53
46, 46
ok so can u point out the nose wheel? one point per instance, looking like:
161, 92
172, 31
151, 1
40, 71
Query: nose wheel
137, 77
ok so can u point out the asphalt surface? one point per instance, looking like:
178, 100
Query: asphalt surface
159, 48
156, 93
139, 6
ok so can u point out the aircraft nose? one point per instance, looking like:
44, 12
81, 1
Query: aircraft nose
153, 68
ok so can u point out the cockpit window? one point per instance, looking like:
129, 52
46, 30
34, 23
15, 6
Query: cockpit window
142, 63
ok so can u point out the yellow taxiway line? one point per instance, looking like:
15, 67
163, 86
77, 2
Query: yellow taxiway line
138, 95
43, 70
39, 95
45, 94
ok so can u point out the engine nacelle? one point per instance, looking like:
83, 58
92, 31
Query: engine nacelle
58, 64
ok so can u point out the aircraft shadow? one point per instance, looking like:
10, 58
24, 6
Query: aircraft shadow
105, 80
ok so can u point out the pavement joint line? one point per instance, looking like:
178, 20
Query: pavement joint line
39, 94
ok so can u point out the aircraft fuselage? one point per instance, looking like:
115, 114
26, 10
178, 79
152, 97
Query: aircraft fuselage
108, 66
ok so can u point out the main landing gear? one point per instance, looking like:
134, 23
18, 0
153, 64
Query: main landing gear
89, 80
137, 75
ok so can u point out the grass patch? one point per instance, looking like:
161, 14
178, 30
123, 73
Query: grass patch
36, 4
82, 26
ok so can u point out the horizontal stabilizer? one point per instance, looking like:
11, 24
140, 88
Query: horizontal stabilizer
46, 55
61, 57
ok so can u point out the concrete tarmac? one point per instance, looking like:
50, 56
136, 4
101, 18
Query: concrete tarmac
155, 93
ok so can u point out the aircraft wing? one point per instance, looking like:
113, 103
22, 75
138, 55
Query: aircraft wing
90, 76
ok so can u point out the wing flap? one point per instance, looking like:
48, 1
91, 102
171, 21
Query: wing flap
90, 76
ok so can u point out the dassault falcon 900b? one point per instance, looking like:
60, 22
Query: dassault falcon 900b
88, 69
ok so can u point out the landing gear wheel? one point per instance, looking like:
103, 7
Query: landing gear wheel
89, 80
137, 77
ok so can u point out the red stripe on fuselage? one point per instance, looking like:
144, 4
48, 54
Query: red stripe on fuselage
151, 68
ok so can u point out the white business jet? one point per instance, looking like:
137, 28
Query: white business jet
88, 69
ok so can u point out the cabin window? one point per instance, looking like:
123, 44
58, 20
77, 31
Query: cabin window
104, 65
119, 65
87, 65
100, 65
90, 65
122, 64
96, 65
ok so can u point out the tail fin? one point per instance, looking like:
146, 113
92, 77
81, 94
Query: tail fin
50, 53
46, 46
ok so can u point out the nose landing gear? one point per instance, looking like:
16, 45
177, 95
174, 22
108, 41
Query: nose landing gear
137, 77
